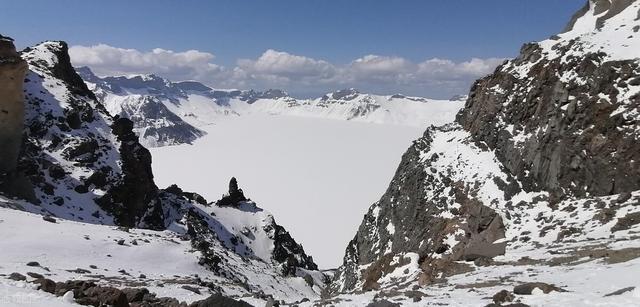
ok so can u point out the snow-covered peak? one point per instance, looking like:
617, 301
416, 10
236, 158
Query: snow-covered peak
608, 26
344, 95
170, 113
45, 52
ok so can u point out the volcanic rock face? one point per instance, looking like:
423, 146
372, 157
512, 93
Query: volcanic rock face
12, 72
135, 200
89, 167
554, 130
563, 115
427, 211
83, 165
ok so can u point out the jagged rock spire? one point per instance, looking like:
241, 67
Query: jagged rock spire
235, 195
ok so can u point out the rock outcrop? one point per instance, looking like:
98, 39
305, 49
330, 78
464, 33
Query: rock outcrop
12, 73
426, 211
135, 200
556, 127
89, 167
83, 164
234, 197
285, 251
562, 116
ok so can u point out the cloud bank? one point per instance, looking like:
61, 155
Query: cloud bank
298, 74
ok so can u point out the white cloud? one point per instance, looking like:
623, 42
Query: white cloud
295, 73
441, 69
284, 64
381, 65
108, 60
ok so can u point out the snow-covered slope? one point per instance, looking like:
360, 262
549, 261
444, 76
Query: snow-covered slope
608, 27
534, 190
91, 183
168, 113
163, 262
352, 105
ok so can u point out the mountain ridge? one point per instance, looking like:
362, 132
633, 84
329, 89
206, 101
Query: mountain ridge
88, 171
538, 168
171, 113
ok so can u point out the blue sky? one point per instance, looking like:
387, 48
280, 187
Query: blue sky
332, 32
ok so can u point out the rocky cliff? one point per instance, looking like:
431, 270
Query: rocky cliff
88, 167
554, 130
83, 164
563, 116
12, 72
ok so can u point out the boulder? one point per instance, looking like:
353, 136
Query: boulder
17, 276
46, 285
502, 297
527, 288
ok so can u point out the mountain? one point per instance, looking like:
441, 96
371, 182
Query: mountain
77, 195
530, 197
535, 189
170, 113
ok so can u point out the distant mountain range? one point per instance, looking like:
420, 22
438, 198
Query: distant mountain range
170, 113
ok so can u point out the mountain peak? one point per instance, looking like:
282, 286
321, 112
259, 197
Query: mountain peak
344, 94
609, 26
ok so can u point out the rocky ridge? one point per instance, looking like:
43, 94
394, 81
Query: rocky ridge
89, 167
539, 169
171, 113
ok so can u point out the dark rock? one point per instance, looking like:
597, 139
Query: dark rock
77, 286
46, 285
383, 303
554, 157
81, 189
17, 276
234, 197
56, 171
33, 263
175, 190
106, 296
527, 288
623, 197
217, 300
59, 201
414, 203
621, 291
135, 294
502, 297
134, 202
627, 221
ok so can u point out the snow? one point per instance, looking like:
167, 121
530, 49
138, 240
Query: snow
21, 293
202, 108
570, 262
391, 229
617, 36
166, 260
313, 174
366, 108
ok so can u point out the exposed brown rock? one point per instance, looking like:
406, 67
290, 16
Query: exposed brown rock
12, 112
